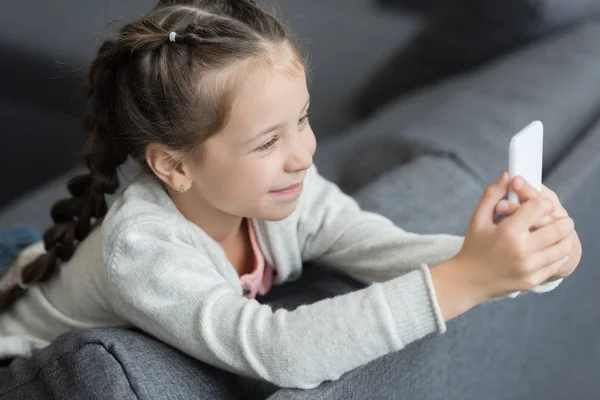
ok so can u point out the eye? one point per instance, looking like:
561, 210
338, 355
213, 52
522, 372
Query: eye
268, 145
305, 118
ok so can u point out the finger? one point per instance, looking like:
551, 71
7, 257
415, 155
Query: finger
546, 191
549, 271
523, 189
511, 207
506, 207
529, 213
485, 210
553, 254
550, 234
546, 219
559, 211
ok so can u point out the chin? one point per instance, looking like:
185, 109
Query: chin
278, 213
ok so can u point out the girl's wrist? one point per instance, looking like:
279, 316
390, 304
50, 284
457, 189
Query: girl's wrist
456, 290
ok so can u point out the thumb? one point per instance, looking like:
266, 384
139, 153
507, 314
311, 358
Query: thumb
486, 209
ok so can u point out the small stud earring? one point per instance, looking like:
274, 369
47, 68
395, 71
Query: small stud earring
182, 188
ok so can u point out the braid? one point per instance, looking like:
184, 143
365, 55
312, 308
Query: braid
75, 217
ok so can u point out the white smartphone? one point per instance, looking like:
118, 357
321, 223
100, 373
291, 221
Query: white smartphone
526, 150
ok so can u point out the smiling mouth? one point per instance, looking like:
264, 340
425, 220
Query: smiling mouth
291, 187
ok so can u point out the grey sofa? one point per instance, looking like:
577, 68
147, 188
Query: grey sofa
423, 161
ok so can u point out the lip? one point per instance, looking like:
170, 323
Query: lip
290, 190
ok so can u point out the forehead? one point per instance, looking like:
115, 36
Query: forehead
268, 95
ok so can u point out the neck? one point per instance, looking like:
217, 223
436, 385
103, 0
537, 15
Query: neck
222, 227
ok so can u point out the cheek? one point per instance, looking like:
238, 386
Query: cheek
253, 179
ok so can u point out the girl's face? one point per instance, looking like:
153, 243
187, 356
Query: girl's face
267, 145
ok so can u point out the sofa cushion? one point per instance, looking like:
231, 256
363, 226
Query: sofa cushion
113, 364
462, 34
472, 117
428, 194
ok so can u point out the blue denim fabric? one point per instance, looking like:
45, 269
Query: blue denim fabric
13, 240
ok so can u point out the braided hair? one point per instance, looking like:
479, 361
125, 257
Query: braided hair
144, 89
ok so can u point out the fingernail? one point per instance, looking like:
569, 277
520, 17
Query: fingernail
518, 182
502, 207
565, 258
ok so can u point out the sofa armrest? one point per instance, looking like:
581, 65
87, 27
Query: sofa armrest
113, 364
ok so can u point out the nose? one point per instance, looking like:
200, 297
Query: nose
301, 155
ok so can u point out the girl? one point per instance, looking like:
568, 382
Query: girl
210, 98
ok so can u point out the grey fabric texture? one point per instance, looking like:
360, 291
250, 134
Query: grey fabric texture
472, 118
113, 364
460, 35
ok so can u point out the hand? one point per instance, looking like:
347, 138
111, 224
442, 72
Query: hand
526, 192
500, 258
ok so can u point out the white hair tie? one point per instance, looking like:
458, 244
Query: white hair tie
21, 284
172, 36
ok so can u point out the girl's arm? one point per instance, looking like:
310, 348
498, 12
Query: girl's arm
173, 290
367, 246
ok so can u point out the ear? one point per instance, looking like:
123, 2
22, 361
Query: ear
169, 166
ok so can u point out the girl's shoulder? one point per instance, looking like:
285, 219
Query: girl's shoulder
143, 203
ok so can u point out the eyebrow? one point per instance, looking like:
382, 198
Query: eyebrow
274, 127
